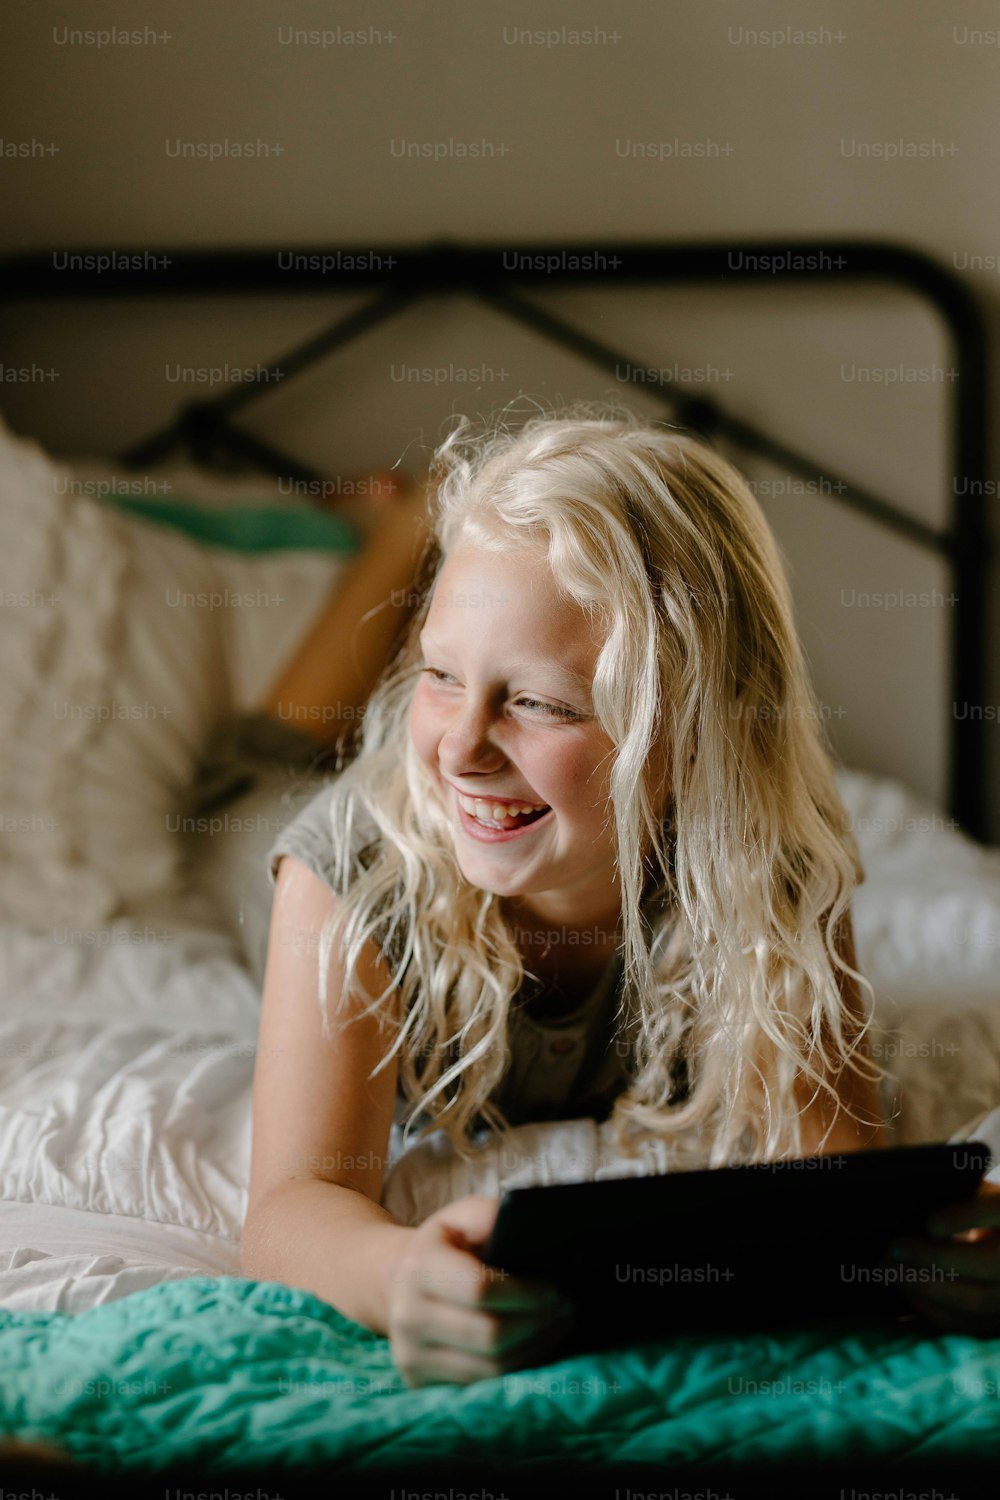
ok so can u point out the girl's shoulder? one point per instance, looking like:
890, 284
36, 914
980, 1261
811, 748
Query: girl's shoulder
311, 838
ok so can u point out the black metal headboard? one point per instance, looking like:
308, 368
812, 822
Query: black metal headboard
496, 276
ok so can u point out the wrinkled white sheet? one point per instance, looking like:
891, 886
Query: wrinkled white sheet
126, 1060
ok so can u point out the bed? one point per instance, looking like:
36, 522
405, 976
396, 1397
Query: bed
134, 910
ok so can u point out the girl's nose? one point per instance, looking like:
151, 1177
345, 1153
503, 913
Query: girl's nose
467, 742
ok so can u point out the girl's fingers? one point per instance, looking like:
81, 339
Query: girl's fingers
979, 1298
460, 1278
440, 1366
955, 1319
480, 1334
980, 1212
447, 1276
456, 1319
505, 1293
468, 1221
959, 1283
432, 1364
542, 1349
950, 1260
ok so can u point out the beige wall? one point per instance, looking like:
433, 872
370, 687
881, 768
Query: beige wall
784, 136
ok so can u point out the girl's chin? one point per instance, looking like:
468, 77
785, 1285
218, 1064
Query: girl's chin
483, 867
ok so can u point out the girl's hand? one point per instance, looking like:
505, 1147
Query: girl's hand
959, 1267
454, 1319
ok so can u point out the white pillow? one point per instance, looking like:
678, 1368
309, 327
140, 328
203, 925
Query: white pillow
927, 922
927, 917
272, 597
116, 666
273, 600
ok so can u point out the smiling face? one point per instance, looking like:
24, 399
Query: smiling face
503, 714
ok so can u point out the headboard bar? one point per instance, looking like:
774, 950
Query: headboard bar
711, 419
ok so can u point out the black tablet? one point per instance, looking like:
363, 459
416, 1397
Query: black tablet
735, 1247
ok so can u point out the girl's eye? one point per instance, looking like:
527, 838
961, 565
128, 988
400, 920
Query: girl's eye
535, 705
548, 708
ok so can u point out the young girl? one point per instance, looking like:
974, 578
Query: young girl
588, 859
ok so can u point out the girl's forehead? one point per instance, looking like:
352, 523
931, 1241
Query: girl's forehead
517, 575
516, 585
484, 600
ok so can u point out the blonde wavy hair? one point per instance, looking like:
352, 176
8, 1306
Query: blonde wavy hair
733, 984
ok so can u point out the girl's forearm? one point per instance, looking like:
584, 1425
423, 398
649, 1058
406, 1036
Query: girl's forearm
329, 1240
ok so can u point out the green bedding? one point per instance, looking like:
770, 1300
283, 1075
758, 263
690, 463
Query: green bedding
221, 1371
248, 528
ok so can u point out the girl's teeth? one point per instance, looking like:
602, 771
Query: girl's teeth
497, 812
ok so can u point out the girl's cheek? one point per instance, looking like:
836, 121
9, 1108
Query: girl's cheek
421, 729
585, 775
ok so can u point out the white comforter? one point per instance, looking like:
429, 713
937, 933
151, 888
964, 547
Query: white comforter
126, 1061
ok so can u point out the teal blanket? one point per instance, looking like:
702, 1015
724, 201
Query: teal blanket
219, 1372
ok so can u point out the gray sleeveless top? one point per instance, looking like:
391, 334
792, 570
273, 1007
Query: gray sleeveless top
560, 1068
